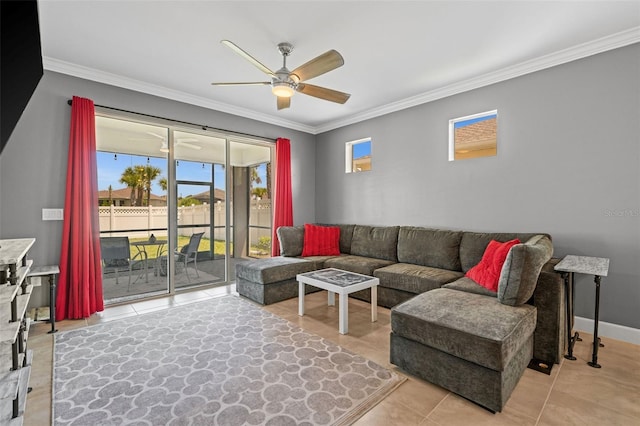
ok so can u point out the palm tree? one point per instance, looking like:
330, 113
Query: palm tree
150, 173
255, 177
130, 178
259, 192
256, 180
164, 184
269, 180
139, 179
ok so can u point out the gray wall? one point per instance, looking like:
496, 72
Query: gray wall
33, 164
568, 164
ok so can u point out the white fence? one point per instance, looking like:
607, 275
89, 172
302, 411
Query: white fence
121, 218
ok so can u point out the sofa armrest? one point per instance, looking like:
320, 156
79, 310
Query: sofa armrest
521, 270
550, 300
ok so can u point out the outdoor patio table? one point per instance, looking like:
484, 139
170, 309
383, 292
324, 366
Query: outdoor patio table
141, 246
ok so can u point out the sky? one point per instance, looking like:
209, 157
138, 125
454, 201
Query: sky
459, 124
361, 149
111, 167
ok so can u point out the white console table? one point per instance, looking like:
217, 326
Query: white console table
15, 359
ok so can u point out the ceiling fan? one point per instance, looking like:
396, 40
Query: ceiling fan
285, 83
179, 142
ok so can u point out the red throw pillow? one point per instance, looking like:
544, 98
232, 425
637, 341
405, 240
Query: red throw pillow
321, 240
487, 271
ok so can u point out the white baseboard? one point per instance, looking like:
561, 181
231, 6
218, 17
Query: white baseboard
607, 329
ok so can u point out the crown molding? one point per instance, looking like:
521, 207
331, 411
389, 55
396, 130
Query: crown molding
63, 67
614, 41
580, 51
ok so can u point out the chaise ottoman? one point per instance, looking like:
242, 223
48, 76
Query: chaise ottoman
470, 344
272, 280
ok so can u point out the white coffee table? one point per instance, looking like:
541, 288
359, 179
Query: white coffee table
340, 282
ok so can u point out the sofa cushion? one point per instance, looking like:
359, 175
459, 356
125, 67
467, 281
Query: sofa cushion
470, 286
473, 244
380, 242
470, 326
521, 269
321, 240
346, 235
319, 261
357, 264
414, 278
437, 248
487, 271
291, 240
273, 269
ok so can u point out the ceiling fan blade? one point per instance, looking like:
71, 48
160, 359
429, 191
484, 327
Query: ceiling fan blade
248, 57
323, 93
283, 102
156, 135
324, 63
142, 140
250, 83
189, 145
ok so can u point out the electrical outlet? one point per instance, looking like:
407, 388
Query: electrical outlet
52, 214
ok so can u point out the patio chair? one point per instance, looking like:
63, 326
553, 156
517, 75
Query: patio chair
189, 253
116, 255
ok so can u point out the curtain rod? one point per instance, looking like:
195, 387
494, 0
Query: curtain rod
202, 126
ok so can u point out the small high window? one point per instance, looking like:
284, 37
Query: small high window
473, 136
358, 156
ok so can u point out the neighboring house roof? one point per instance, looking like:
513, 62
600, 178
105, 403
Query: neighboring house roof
123, 194
477, 135
362, 163
218, 195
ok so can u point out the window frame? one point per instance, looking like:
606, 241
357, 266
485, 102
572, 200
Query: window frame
349, 146
454, 121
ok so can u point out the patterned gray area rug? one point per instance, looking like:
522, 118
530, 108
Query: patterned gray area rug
223, 361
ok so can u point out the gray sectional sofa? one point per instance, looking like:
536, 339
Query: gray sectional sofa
445, 328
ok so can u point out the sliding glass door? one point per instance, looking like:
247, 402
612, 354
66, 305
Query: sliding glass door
187, 203
250, 166
132, 210
201, 199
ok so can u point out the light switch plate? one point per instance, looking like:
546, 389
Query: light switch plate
52, 214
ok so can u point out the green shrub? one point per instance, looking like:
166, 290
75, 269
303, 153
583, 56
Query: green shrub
264, 244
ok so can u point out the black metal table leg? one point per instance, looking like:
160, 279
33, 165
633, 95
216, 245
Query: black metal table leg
596, 340
52, 303
571, 339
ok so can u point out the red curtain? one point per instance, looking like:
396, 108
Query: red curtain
283, 206
80, 282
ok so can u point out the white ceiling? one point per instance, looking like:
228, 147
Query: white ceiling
397, 54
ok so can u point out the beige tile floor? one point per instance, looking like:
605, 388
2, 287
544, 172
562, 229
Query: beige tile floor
574, 393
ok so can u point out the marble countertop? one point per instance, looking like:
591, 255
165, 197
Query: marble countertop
584, 265
11, 251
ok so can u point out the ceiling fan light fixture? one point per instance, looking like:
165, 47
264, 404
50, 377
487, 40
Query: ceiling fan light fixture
283, 89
